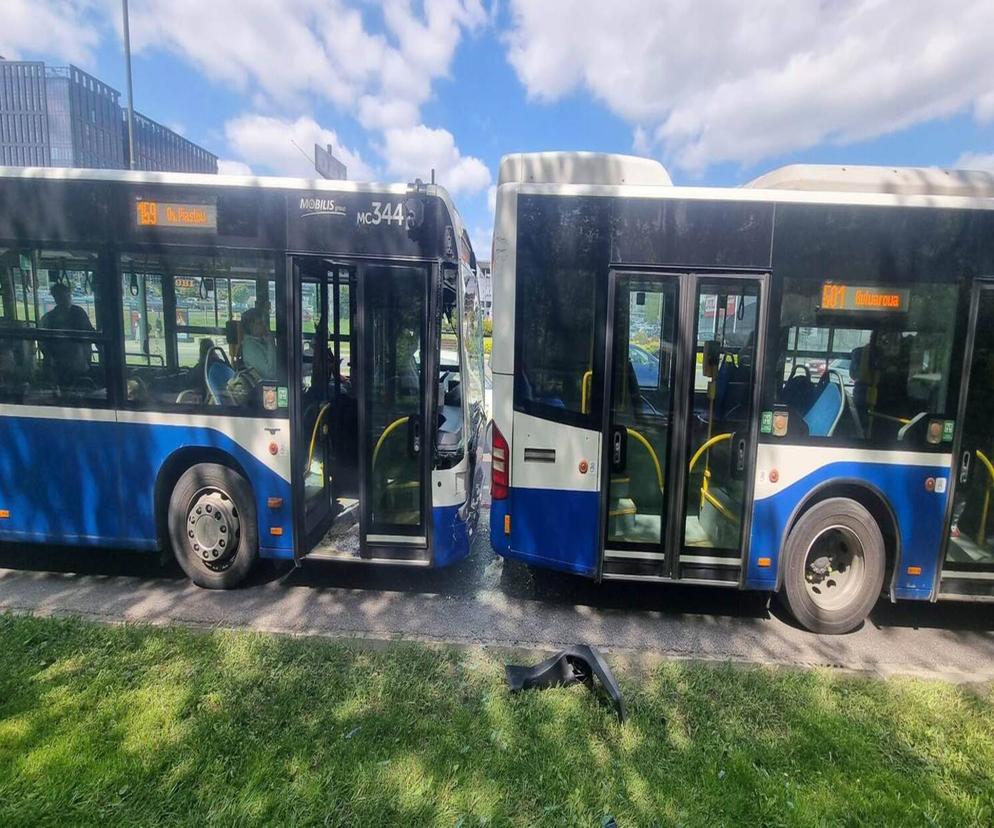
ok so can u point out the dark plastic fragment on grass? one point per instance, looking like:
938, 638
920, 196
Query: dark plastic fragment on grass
578, 664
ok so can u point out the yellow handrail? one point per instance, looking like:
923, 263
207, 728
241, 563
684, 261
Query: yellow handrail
705, 446
314, 434
386, 433
585, 383
982, 531
652, 453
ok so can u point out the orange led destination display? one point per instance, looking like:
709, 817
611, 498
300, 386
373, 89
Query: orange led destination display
173, 214
840, 297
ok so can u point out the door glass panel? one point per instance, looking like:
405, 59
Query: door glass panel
971, 539
394, 373
721, 399
641, 405
315, 415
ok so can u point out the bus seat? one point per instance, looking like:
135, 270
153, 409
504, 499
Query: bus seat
188, 396
218, 376
828, 406
798, 391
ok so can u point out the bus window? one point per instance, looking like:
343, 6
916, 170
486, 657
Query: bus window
555, 334
51, 342
200, 330
869, 372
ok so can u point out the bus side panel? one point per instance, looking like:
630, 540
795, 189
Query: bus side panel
92, 481
900, 477
450, 491
59, 479
553, 528
553, 509
150, 443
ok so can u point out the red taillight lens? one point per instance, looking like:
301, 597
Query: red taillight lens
500, 466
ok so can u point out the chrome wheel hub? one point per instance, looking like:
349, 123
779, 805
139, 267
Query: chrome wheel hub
212, 528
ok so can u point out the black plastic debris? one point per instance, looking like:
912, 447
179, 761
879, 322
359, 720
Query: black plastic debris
570, 666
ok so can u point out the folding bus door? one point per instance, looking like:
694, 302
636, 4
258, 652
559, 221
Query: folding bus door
968, 568
394, 444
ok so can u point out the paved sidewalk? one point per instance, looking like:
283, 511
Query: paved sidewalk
487, 601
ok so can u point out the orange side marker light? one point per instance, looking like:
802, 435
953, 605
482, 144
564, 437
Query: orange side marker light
914, 570
764, 562
4, 514
276, 531
507, 524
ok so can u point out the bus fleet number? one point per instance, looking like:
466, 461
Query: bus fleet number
382, 214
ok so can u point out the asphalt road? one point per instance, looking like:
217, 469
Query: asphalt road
485, 600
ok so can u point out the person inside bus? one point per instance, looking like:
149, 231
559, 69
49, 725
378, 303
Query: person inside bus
258, 346
67, 361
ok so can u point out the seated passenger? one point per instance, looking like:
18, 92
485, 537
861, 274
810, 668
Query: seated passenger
67, 361
258, 346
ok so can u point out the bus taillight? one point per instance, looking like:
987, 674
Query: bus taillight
500, 466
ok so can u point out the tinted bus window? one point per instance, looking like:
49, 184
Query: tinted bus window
200, 330
875, 376
557, 297
51, 344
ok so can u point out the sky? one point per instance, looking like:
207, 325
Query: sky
719, 91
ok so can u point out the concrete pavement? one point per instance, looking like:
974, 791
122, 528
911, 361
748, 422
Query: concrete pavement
487, 601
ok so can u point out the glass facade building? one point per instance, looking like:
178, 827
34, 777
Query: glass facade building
61, 116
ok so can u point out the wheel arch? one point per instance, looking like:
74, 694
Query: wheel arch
868, 496
173, 468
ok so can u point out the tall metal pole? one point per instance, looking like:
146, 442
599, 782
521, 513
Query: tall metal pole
131, 94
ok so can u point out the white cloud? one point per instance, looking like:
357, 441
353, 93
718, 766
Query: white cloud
975, 161
286, 147
481, 240
63, 29
722, 80
412, 152
225, 166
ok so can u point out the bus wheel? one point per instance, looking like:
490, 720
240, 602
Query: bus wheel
833, 567
212, 526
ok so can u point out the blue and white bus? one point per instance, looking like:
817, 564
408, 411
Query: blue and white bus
785, 386
237, 368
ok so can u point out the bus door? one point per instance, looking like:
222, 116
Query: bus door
320, 421
968, 567
679, 431
395, 447
641, 366
721, 425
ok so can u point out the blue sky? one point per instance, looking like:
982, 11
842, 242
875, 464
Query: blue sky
719, 91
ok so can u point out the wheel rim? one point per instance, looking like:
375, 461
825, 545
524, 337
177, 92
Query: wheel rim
212, 528
834, 567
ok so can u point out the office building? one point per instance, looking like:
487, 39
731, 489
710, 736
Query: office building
61, 116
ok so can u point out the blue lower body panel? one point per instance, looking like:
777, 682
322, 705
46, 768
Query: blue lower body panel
92, 483
556, 529
450, 535
918, 510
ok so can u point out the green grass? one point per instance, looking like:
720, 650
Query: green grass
139, 725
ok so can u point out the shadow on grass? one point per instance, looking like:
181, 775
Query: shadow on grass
150, 726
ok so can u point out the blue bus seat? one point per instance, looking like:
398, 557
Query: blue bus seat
218, 376
826, 411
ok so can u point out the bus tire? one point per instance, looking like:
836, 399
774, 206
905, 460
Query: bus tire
212, 526
834, 562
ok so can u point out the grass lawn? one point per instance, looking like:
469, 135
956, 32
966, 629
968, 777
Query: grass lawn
140, 725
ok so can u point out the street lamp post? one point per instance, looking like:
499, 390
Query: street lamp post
131, 94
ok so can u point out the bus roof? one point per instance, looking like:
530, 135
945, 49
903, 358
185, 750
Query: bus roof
261, 181
581, 168
868, 179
